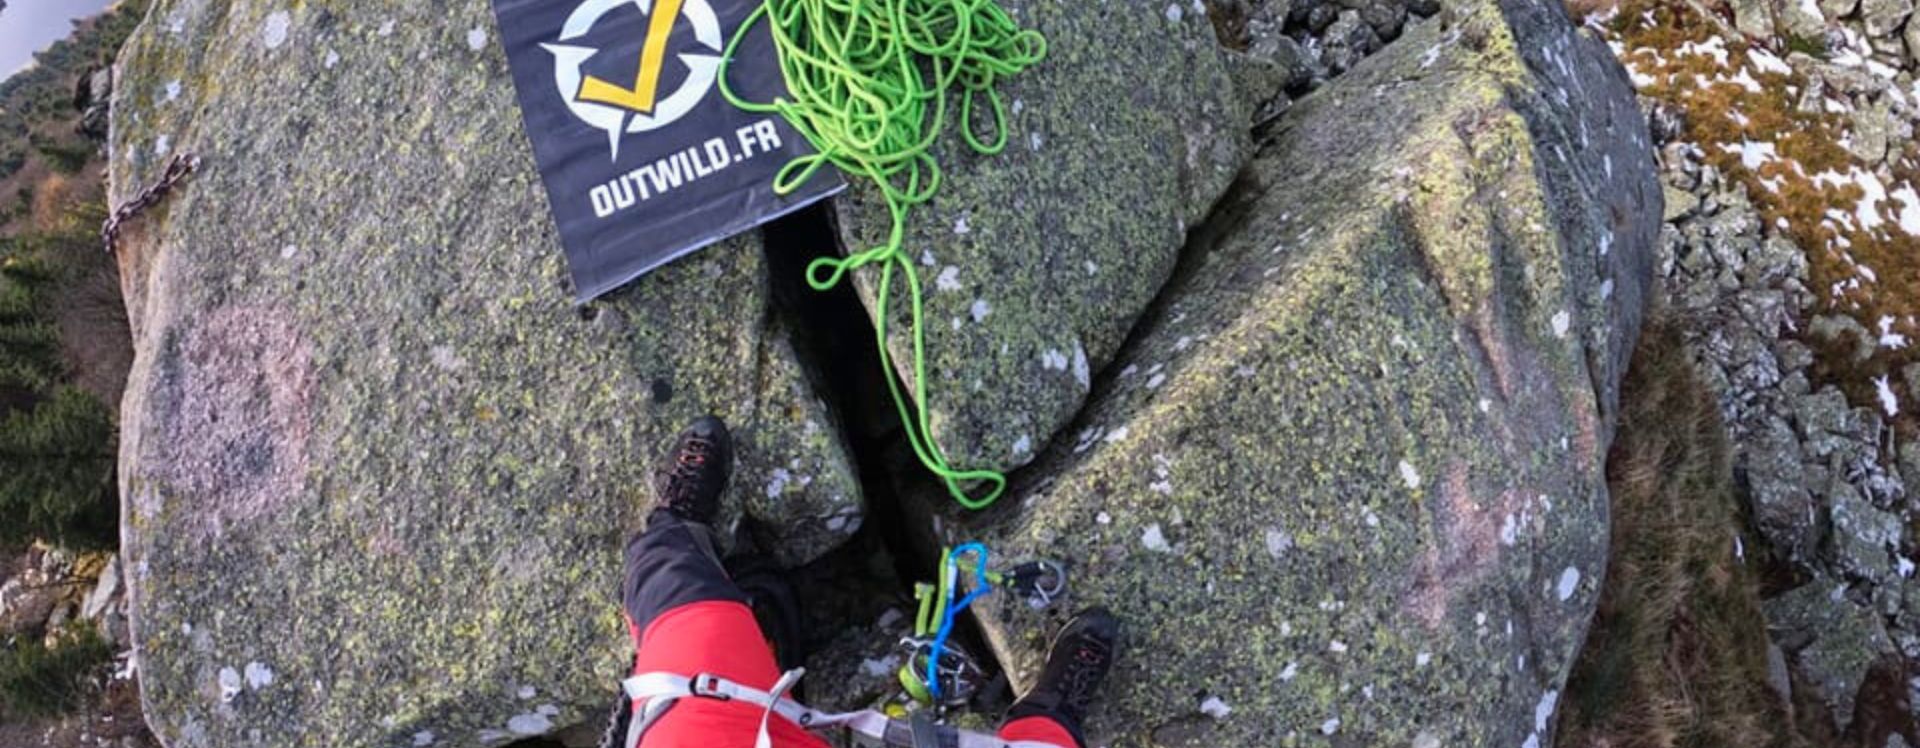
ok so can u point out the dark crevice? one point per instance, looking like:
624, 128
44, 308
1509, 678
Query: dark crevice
834, 338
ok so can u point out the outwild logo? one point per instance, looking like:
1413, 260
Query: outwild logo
625, 107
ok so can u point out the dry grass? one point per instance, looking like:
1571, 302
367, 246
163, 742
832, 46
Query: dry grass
1677, 652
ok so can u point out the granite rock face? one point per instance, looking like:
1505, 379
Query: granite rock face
376, 466
1348, 484
1037, 261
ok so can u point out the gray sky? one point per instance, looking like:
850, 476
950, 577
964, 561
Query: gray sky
28, 26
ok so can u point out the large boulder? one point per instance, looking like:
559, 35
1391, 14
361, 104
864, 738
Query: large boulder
376, 465
1349, 482
1037, 261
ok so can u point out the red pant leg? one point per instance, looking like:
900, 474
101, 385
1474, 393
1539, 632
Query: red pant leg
718, 637
1038, 729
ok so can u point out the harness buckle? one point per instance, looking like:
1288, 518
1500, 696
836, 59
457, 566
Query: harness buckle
707, 686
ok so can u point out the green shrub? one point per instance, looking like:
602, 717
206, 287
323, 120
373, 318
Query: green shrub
64, 158
59, 476
41, 681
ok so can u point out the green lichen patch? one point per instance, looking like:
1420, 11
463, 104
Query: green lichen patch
1348, 480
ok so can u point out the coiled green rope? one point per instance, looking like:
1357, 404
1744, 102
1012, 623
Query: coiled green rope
868, 83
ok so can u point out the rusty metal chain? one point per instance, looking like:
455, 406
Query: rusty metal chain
182, 165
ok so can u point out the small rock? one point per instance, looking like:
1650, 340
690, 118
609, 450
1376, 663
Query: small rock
1348, 40
1680, 203
1840, 328
1834, 640
1884, 17
1777, 676
1754, 17
103, 592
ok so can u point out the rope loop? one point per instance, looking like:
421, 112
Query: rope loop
867, 85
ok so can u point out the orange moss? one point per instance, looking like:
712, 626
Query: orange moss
1720, 113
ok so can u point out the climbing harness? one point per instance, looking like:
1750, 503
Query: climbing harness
868, 84
938, 673
178, 168
660, 690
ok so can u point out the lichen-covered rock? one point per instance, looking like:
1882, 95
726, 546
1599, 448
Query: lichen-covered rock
1833, 640
1349, 481
376, 466
1037, 261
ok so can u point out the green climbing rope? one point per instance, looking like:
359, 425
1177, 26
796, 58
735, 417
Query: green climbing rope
868, 83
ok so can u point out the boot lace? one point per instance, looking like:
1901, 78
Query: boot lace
686, 474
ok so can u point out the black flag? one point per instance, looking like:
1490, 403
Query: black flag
643, 158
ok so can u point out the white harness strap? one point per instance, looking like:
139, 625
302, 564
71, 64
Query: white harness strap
660, 690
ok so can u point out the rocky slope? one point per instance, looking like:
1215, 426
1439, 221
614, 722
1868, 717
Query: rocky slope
376, 468
1788, 161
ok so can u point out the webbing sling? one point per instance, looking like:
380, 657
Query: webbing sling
660, 690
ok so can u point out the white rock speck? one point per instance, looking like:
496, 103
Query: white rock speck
333, 58
1422, 659
1543, 711
273, 32
229, 679
880, 668
530, 724
1215, 708
1561, 323
948, 280
1103, 518
1023, 445
386, 28
980, 310
777, 484
476, 38
1082, 373
1278, 541
1336, 646
526, 692
1569, 581
1117, 434
173, 90
162, 145
1409, 475
1330, 726
424, 738
1175, 13
1154, 539
960, 225
259, 676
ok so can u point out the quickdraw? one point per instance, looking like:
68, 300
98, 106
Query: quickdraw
939, 673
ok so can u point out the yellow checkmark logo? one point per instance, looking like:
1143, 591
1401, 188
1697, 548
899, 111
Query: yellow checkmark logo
642, 96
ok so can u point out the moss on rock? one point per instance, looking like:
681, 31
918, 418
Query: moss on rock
1348, 481
1037, 261
375, 462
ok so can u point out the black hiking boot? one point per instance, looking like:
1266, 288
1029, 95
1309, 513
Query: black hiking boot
1079, 660
695, 472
